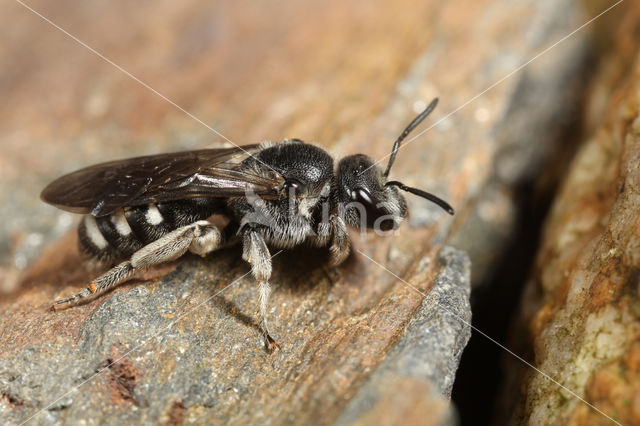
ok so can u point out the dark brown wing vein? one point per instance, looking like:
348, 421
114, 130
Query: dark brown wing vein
104, 188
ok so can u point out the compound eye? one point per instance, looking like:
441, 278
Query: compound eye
362, 195
374, 213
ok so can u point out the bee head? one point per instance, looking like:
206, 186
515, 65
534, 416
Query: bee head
366, 198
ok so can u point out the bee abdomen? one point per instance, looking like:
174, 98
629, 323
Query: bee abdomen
93, 244
112, 238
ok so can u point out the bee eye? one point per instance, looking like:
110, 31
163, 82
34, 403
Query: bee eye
363, 196
373, 211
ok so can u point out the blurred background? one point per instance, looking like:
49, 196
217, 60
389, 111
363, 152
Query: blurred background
520, 94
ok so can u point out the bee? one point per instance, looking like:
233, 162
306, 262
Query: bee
144, 211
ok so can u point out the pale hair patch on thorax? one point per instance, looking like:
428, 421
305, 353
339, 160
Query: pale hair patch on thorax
267, 144
326, 190
305, 205
270, 144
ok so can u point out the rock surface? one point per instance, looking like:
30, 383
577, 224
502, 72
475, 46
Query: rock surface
581, 305
187, 348
347, 75
430, 347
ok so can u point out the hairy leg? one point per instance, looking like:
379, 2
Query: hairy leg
200, 237
255, 251
340, 242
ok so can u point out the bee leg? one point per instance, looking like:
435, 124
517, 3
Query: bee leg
255, 251
340, 242
113, 276
200, 237
209, 239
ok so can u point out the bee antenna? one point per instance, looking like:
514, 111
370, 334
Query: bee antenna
424, 194
410, 127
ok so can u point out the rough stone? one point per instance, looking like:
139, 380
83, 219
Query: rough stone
431, 345
581, 305
184, 346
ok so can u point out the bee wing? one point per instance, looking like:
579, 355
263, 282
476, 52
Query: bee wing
104, 188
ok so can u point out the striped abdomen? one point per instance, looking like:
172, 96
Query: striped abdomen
109, 239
